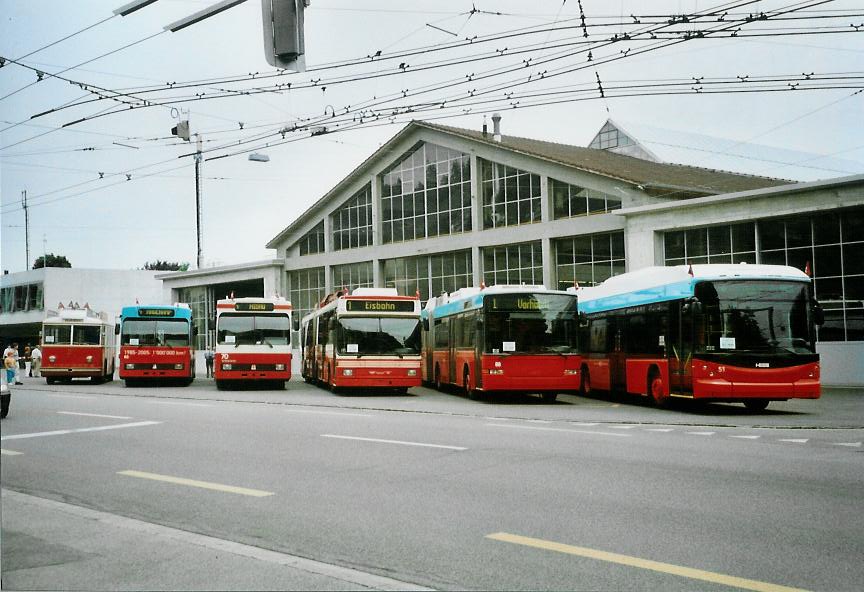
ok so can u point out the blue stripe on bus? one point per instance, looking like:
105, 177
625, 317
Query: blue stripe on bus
131, 312
639, 297
456, 306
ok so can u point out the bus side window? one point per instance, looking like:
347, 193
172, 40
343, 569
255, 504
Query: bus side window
597, 339
441, 333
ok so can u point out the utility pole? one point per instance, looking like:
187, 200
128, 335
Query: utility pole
199, 214
26, 228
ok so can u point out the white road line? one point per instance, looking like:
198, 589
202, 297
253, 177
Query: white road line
701, 433
850, 444
664, 430
179, 403
357, 578
94, 415
746, 437
523, 427
583, 424
196, 483
394, 442
622, 427
329, 412
71, 397
539, 421
794, 440
61, 432
5, 452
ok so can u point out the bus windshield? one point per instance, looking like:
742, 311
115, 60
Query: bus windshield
531, 323
378, 336
85, 335
159, 332
58, 334
768, 316
251, 329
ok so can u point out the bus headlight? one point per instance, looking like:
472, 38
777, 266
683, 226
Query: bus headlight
496, 372
178, 366
280, 367
347, 372
89, 358
226, 366
412, 372
52, 358
130, 366
569, 372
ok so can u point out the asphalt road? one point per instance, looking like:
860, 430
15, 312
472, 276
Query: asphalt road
190, 488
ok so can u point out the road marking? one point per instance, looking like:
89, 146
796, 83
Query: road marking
194, 483
584, 424
523, 427
746, 437
795, 440
5, 452
329, 412
99, 429
622, 427
94, 415
358, 579
667, 568
179, 403
659, 429
701, 433
850, 444
71, 397
393, 442
538, 421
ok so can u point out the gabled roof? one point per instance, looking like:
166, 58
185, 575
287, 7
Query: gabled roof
648, 175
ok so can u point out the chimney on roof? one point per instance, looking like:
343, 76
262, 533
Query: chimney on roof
485, 130
496, 127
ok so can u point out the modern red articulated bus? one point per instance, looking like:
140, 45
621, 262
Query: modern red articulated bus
734, 333
516, 339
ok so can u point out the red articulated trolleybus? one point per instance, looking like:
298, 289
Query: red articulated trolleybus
253, 342
369, 339
156, 344
735, 333
503, 338
78, 342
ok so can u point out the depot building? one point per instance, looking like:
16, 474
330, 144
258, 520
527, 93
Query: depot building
438, 208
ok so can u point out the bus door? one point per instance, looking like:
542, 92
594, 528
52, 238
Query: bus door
451, 351
479, 339
617, 357
681, 351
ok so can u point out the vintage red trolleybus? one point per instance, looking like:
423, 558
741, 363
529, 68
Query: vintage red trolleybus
736, 333
367, 340
517, 339
156, 344
253, 342
78, 342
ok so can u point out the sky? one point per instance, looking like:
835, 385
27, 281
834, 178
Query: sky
108, 186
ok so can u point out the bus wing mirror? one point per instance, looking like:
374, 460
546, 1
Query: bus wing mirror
818, 315
692, 306
116, 329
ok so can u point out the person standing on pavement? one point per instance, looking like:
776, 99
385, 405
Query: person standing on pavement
12, 351
27, 360
208, 361
36, 362
11, 365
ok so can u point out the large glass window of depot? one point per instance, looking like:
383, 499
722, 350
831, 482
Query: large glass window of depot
352, 275
352, 223
426, 193
307, 290
570, 200
728, 243
513, 264
589, 259
313, 241
429, 275
510, 196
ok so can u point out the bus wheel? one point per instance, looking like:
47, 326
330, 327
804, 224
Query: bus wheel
756, 404
584, 382
549, 397
657, 390
473, 394
221, 386
280, 385
97, 379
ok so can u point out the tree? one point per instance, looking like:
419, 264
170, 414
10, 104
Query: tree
160, 265
51, 260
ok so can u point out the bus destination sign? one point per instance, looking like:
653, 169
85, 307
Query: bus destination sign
156, 312
254, 306
379, 305
513, 302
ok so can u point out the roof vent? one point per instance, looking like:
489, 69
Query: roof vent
496, 127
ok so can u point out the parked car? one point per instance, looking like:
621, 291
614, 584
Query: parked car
5, 398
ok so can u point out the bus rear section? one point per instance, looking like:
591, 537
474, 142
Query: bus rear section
156, 344
503, 339
725, 333
253, 342
77, 343
368, 340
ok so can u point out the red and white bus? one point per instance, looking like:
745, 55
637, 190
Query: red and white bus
253, 342
736, 333
78, 342
369, 339
516, 339
156, 344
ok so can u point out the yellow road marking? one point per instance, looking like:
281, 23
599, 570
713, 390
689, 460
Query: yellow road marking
667, 568
194, 483
5, 452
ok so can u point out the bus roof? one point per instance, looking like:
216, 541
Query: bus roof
471, 298
181, 310
662, 284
